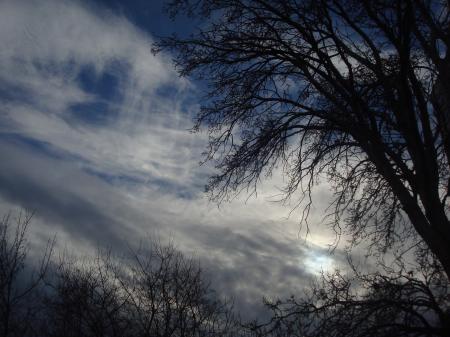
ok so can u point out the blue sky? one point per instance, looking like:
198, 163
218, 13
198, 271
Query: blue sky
94, 138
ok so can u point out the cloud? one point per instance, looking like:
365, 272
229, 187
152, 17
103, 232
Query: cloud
50, 48
93, 137
253, 264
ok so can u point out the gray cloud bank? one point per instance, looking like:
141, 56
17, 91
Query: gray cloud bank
93, 137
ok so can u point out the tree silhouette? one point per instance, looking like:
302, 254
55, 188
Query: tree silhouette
169, 296
395, 301
19, 286
85, 299
355, 91
154, 291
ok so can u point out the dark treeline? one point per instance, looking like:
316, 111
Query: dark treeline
156, 291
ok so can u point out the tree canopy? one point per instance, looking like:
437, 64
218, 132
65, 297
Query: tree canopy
354, 91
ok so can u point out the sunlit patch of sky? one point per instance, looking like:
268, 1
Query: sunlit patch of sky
317, 261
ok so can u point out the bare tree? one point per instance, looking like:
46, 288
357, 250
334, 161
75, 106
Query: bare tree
169, 296
396, 301
84, 299
155, 292
352, 90
19, 286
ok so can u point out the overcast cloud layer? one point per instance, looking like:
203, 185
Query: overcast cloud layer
93, 138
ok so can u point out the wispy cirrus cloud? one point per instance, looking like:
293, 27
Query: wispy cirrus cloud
85, 81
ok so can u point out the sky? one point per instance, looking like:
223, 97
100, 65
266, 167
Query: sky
95, 140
